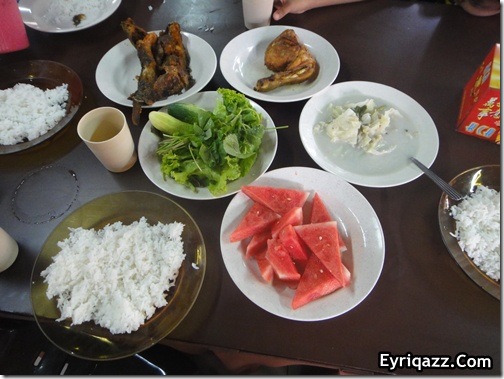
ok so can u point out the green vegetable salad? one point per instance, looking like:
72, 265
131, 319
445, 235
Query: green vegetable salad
202, 148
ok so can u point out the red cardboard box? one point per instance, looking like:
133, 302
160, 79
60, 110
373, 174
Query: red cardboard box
480, 109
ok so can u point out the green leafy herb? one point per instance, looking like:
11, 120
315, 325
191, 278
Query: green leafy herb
201, 148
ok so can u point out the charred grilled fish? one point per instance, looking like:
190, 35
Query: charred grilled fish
165, 64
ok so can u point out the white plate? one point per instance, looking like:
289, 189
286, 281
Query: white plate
414, 133
148, 143
117, 72
242, 64
40, 15
357, 222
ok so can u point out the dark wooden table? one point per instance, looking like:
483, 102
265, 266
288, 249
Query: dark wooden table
423, 303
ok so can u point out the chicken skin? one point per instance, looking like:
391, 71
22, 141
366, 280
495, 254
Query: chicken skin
290, 60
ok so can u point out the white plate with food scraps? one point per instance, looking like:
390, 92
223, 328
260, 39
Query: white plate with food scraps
149, 161
63, 16
45, 75
242, 64
357, 222
117, 72
413, 133
466, 183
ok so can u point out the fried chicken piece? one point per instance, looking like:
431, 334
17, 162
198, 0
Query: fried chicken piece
165, 64
282, 51
291, 61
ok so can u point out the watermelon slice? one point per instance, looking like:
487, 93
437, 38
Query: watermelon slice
292, 217
316, 282
320, 213
265, 267
281, 261
294, 246
279, 200
257, 244
322, 239
256, 220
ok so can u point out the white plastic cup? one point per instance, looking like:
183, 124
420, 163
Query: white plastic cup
257, 13
8, 250
106, 133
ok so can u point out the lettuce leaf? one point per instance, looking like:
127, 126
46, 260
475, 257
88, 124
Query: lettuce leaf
222, 148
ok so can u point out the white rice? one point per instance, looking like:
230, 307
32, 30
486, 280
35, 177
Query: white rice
62, 12
116, 276
29, 112
477, 219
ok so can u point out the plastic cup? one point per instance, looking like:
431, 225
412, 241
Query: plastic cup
257, 13
8, 250
12, 29
106, 133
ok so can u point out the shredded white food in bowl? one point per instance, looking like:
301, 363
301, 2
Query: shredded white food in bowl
477, 219
116, 276
361, 125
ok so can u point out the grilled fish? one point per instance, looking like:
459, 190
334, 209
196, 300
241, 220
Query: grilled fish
165, 65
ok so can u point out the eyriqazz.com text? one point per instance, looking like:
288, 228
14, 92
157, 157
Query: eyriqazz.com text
391, 362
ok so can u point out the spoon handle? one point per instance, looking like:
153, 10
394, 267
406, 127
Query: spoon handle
450, 191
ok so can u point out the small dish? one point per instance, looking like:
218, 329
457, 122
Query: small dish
117, 71
357, 222
148, 144
413, 132
44, 75
466, 183
88, 340
47, 16
242, 64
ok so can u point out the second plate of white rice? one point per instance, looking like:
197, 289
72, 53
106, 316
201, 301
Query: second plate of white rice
38, 99
471, 228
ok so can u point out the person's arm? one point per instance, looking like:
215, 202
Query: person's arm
284, 7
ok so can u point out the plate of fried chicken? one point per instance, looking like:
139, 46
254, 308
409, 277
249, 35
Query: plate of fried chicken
279, 63
154, 69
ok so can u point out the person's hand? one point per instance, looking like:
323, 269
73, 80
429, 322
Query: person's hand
283, 7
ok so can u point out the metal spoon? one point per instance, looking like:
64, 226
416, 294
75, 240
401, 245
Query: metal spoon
450, 191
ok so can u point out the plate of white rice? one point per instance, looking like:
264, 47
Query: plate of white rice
471, 227
63, 16
37, 99
118, 275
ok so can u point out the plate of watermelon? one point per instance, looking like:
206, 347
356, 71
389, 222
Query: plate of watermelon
302, 244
